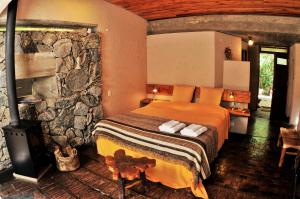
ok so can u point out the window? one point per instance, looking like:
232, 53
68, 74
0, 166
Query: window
275, 50
282, 61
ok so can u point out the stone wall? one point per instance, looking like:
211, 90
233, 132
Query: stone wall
71, 98
4, 112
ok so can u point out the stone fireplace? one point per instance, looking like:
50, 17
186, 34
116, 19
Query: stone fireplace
61, 71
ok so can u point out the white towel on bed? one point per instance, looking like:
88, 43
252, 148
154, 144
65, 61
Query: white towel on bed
196, 133
169, 124
171, 128
192, 128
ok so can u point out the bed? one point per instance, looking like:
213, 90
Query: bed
170, 170
181, 161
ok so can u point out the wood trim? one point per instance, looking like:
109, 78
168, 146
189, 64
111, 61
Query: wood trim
253, 55
239, 96
239, 112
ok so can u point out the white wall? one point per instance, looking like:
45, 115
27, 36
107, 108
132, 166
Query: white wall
294, 94
181, 58
123, 44
223, 41
236, 75
194, 58
3, 4
290, 81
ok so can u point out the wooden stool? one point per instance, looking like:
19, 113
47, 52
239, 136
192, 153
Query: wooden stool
128, 168
290, 139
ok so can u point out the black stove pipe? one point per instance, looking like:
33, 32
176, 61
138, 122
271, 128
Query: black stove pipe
10, 63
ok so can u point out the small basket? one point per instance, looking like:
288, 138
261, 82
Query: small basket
69, 162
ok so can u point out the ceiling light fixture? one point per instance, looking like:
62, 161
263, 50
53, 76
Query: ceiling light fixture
250, 41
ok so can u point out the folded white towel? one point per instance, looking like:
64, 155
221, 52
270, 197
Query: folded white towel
195, 133
169, 124
192, 128
172, 129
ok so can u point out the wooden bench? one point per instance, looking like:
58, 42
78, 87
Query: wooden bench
128, 168
290, 140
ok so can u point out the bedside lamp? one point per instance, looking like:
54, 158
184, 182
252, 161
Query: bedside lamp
232, 99
154, 91
231, 95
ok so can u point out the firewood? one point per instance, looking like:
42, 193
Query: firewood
69, 162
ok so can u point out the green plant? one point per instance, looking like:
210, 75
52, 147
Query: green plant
266, 72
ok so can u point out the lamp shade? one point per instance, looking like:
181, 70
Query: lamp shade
155, 90
231, 95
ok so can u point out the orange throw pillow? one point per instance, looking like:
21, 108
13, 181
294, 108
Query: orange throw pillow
183, 93
211, 95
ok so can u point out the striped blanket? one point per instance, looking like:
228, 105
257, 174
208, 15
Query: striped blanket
140, 133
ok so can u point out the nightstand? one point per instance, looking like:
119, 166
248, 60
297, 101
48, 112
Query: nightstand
238, 120
239, 112
145, 102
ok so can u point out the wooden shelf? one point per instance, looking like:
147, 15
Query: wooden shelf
239, 112
239, 96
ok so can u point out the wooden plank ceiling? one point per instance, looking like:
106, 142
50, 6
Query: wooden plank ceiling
162, 9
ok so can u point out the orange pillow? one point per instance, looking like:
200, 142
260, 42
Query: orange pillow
211, 95
182, 93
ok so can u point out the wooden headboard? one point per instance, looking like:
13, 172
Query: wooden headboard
239, 96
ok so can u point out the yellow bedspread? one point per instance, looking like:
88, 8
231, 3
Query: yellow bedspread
170, 174
192, 113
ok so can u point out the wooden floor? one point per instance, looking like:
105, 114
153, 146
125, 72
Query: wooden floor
245, 168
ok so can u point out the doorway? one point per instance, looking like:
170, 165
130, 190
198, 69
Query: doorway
273, 78
265, 90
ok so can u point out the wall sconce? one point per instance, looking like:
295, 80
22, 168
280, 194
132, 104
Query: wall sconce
250, 41
154, 91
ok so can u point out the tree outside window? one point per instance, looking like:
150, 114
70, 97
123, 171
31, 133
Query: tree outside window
266, 73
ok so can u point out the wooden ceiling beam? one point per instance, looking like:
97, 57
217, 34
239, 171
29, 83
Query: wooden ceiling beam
162, 9
275, 30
